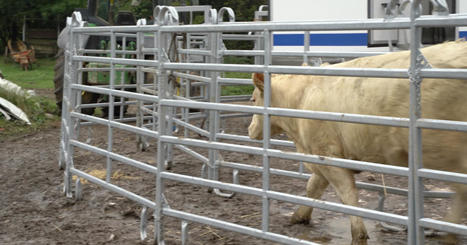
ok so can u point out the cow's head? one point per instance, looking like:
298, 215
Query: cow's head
255, 130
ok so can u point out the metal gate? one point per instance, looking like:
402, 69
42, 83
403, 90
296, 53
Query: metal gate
171, 59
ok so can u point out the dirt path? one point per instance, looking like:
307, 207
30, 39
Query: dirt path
33, 209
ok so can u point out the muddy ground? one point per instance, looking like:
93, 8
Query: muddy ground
33, 209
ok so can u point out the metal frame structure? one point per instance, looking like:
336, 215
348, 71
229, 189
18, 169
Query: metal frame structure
157, 105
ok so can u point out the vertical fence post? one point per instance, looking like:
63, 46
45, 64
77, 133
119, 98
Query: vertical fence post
186, 58
266, 128
170, 90
111, 108
66, 106
306, 47
213, 114
162, 81
79, 80
415, 209
122, 80
140, 83
71, 76
62, 158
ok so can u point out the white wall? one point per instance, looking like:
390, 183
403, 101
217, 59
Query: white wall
297, 10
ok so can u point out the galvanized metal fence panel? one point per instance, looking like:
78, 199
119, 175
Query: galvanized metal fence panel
161, 109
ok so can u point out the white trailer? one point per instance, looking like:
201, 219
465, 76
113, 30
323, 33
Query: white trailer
365, 40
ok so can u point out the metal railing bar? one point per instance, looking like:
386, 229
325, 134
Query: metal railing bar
236, 115
192, 77
193, 128
301, 53
444, 73
330, 161
441, 21
442, 175
150, 112
149, 70
330, 206
243, 37
94, 105
119, 93
327, 54
102, 69
114, 188
149, 50
442, 124
323, 71
234, 227
341, 117
273, 111
192, 153
194, 51
117, 86
126, 119
100, 51
304, 70
104, 29
123, 126
340, 162
121, 61
368, 24
149, 91
443, 226
304, 176
234, 81
115, 156
235, 98
259, 169
248, 139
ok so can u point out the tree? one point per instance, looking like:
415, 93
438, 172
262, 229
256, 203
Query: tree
50, 13
244, 9
45, 13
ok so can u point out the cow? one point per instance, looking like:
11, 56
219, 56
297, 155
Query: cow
440, 99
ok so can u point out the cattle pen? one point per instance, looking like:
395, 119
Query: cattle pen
180, 70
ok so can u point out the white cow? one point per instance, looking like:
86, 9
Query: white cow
441, 99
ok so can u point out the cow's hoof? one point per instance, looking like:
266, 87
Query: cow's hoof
360, 240
450, 239
300, 217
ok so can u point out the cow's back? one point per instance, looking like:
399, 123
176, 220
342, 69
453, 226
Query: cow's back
441, 99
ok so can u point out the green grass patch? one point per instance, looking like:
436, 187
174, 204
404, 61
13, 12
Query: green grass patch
237, 89
39, 77
40, 111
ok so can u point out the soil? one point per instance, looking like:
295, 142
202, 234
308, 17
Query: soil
34, 209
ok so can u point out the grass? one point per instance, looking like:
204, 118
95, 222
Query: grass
39, 77
39, 109
237, 89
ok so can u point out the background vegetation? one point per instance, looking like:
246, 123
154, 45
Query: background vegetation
52, 13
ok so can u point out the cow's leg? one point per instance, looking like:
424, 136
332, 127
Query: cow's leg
344, 183
314, 189
458, 211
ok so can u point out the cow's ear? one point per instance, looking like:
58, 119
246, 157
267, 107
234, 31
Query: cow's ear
258, 80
